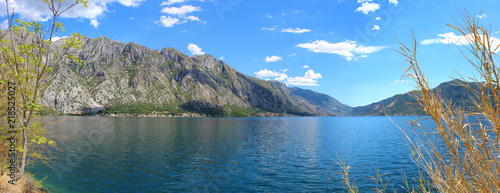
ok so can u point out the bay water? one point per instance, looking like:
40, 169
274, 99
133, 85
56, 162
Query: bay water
284, 154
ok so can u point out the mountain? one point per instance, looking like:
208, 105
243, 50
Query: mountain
117, 76
405, 104
323, 103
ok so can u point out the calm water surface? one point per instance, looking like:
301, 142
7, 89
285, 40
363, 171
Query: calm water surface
299, 154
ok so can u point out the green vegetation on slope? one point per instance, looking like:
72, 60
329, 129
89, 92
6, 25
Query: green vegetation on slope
142, 109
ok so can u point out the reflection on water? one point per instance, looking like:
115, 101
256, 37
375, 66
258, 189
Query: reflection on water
104, 154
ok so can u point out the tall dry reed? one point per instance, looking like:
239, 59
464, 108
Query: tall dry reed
467, 157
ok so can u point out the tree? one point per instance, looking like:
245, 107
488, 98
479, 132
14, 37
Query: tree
26, 54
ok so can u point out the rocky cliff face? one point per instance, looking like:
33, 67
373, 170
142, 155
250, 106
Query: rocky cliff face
116, 73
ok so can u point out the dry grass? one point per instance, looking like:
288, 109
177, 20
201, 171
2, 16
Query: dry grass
26, 184
468, 158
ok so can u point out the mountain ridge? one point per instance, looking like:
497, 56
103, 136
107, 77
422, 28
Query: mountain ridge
114, 73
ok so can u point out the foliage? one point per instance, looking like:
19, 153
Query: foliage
43, 110
26, 56
142, 109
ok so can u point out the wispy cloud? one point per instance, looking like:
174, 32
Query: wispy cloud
451, 38
296, 30
269, 28
347, 49
183, 10
171, 2
273, 58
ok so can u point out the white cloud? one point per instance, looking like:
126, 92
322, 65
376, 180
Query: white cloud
5, 24
279, 76
282, 77
195, 50
269, 16
273, 58
170, 2
37, 10
171, 21
368, 7
394, 2
375, 27
268, 28
183, 10
451, 38
55, 38
305, 66
178, 13
221, 58
130, 3
192, 18
296, 30
481, 16
168, 21
293, 54
347, 49
94, 23
309, 79
378, 18
361, 1
131, 18
447, 38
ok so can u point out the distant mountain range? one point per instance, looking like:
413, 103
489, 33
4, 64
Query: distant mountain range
405, 104
117, 77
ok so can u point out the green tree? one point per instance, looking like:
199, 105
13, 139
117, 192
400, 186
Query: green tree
26, 54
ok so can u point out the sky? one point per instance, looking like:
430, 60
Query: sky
343, 48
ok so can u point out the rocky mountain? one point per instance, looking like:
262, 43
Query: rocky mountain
405, 104
118, 74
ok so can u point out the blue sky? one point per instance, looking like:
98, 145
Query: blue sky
341, 48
